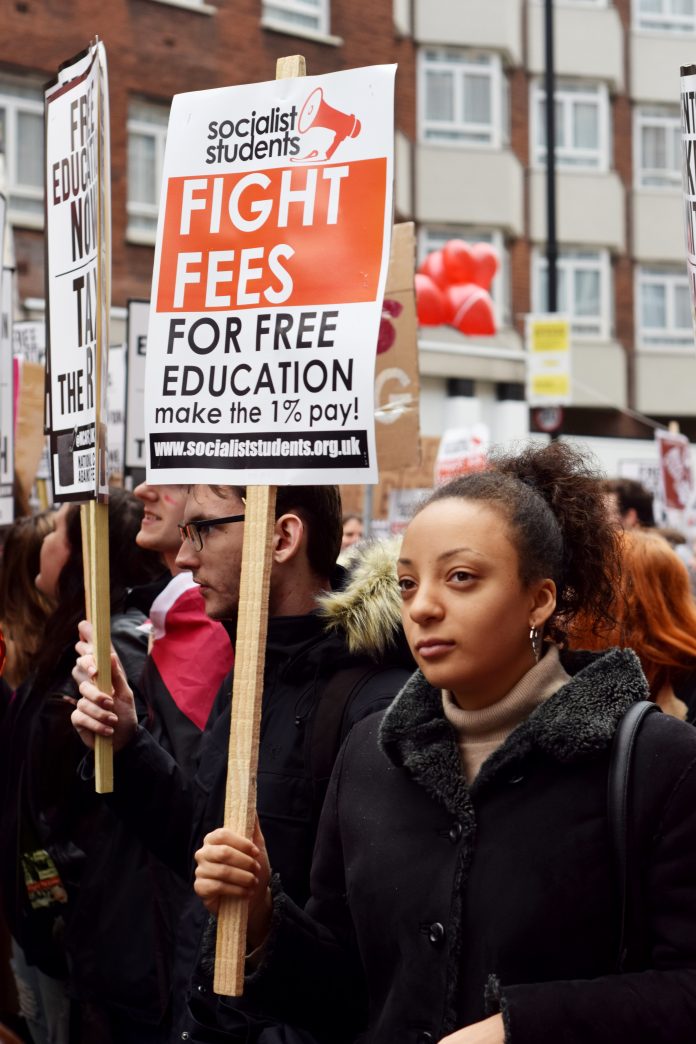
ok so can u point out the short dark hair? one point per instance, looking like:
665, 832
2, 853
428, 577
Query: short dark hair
320, 509
632, 494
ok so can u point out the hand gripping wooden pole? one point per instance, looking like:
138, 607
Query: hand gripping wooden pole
247, 691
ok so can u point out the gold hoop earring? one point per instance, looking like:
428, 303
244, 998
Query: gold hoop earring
536, 643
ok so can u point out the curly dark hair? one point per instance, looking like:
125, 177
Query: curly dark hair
553, 501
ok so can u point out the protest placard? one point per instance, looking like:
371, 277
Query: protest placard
116, 413
77, 236
461, 451
269, 277
136, 338
29, 340
396, 376
688, 153
7, 400
78, 269
675, 489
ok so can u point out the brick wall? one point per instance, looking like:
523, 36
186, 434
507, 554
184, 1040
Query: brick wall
156, 50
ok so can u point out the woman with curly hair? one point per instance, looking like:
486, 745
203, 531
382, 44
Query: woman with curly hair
23, 609
655, 615
463, 884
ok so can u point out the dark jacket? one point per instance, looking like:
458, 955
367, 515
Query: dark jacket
45, 805
456, 902
172, 812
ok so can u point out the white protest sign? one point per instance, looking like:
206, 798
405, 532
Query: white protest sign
7, 394
462, 450
116, 409
78, 269
688, 125
138, 318
270, 269
29, 340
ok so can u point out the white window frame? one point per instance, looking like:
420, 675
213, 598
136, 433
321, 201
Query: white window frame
433, 237
662, 117
671, 338
571, 259
479, 62
666, 22
135, 208
276, 18
566, 93
13, 104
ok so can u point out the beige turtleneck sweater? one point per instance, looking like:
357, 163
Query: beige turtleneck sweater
480, 732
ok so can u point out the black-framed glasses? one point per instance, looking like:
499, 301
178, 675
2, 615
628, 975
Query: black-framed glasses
192, 531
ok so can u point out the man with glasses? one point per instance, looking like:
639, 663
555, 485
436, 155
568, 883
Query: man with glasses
315, 689
189, 656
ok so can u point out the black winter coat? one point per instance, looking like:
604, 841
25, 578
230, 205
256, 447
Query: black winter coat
171, 812
453, 902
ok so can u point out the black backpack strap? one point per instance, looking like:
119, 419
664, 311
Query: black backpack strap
327, 726
618, 796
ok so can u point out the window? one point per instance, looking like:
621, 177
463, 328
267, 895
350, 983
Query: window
298, 14
22, 137
461, 97
672, 16
582, 126
658, 146
430, 239
147, 133
583, 290
664, 308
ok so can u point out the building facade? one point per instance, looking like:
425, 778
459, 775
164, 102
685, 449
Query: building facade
470, 159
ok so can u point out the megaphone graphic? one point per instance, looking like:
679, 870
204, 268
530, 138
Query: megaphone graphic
318, 113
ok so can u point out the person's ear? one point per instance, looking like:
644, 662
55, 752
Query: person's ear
288, 537
543, 604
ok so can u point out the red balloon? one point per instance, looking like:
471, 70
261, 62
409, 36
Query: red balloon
485, 264
434, 266
472, 309
459, 261
431, 303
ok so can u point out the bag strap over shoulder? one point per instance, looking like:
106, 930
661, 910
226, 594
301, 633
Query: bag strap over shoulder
618, 797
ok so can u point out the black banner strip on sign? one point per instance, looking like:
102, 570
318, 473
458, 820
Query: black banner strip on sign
317, 449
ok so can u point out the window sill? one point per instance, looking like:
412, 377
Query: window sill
32, 222
189, 5
275, 26
664, 349
140, 236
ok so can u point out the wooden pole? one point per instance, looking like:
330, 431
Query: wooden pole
247, 692
95, 557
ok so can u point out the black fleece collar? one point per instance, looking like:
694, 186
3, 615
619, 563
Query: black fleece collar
577, 722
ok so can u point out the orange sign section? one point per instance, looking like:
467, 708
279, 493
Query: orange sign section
293, 236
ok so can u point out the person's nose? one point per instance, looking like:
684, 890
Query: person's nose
145, 492
424, 606
187, 557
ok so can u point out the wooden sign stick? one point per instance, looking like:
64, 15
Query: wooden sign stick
247, 691
95, 558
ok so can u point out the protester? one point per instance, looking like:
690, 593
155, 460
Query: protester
655, 615
190, 655
23, 608
352, 531
318, 682
463, 887
630, 503
48, 819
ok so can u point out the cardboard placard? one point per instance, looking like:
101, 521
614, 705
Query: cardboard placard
30, 441
397, 385
270, 268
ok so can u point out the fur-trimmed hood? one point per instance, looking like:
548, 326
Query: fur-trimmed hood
367, 607
577, 722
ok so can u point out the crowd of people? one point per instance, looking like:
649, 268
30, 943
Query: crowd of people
434, 859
